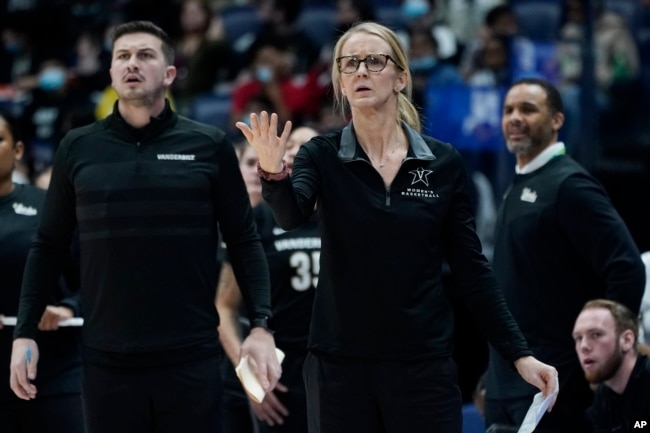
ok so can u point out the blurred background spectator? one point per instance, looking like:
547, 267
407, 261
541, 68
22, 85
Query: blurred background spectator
204, 58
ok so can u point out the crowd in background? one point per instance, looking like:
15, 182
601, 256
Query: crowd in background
234, 57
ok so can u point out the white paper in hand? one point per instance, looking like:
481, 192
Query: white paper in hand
537, 410
73, 321
246, 372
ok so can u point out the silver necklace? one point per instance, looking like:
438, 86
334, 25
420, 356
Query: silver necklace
381, 164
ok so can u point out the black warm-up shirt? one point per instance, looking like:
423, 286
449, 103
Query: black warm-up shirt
627, 412
559, 243
147, 204
379, 293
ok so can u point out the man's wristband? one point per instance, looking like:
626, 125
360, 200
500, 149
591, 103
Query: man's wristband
261, 322
273, 176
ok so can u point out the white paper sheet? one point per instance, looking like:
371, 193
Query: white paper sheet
537, 410
246, 372
73, 321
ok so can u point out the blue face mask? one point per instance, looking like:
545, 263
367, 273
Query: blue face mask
246, 118
264, 74
423, 64
412, 9
51, 79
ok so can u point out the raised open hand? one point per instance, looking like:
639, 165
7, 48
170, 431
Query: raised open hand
263, 136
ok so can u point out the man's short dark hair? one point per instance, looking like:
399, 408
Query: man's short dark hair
146, 27
553, 97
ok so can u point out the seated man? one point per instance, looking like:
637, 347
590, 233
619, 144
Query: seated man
606, 338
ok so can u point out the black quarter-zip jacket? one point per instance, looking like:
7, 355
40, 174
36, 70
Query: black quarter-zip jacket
379, 293
148, 204
559, 243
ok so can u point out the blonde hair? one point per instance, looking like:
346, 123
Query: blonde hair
406, 111
624, 319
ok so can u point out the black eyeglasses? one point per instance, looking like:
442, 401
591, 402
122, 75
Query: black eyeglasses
374, 63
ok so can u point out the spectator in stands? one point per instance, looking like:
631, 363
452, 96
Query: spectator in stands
618, 73
492, 67
204, 57
427, 67
163, 13
500, 22
431, 16
89, 63
350, 12
17, 57
280, 23
294, 96
54, 108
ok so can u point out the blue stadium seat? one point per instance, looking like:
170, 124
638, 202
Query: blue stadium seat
239, 21
318, 21
212, 108
472, 420
390, 16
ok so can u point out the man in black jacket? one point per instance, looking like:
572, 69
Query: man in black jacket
148, 190
559, 243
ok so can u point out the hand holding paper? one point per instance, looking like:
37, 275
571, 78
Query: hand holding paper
538, 374
537, 409
73, 321
247, 374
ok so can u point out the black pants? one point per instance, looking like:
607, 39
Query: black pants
45, 414
294, 398
237, 414
382, 396
177, 398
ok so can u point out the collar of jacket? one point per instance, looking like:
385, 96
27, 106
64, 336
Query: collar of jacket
156, 126
418, 149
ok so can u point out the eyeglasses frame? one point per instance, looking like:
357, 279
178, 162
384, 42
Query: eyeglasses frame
364, 61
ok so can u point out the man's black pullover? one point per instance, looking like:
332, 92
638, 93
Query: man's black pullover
147, 203
559, 243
